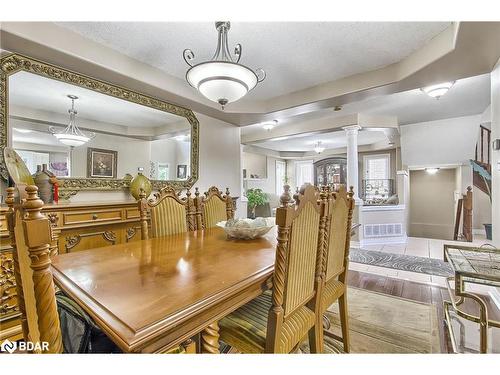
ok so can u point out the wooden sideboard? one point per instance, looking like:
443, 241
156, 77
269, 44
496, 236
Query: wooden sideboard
76, 227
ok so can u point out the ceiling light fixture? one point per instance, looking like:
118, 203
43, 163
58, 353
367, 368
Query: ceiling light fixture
24, 131
437, 91
71, 136
318, 148
269, 125
222, 79
181, 137
432, 170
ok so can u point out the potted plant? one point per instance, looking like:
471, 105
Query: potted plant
256, 197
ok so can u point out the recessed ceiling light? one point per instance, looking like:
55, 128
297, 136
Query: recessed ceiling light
437, 91
432, 170
22, 130
181, 137
269, 125
279, 138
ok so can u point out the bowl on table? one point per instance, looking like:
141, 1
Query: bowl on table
247, 229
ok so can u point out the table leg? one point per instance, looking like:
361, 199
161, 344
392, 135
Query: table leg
483, 321
210, 339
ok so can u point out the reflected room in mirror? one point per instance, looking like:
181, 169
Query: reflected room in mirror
81, 133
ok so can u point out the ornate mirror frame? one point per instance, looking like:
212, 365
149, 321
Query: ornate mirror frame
14, 63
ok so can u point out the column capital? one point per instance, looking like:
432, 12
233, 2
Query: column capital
352, 128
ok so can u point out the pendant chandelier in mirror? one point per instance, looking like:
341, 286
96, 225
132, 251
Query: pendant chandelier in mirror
71, 136
222, 79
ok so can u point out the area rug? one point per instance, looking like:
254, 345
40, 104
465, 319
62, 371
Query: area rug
429, 266
379, 323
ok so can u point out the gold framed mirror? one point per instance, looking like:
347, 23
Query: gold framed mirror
123, 131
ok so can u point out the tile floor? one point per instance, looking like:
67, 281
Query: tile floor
416, 246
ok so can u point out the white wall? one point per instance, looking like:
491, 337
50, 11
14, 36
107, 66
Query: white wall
448, 141
219, 153
268, 184
220, 163
132, 154
495, 155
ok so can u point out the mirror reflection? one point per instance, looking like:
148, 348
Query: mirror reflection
78, 132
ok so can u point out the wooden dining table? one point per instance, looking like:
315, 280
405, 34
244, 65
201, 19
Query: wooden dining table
152, 295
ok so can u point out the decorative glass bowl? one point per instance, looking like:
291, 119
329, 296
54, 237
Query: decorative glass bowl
247, 229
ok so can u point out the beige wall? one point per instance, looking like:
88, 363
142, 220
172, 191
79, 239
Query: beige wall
440, 142
432, 204
495, 155
255, 164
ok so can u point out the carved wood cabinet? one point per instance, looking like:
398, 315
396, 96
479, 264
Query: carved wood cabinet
78, 226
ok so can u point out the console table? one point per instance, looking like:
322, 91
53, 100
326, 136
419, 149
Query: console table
477, 266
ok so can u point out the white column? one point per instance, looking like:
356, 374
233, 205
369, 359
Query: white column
352, 159
495, 154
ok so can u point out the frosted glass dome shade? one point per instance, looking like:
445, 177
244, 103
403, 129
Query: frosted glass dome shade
222, 82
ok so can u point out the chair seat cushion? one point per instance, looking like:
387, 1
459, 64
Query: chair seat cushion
245, 329
332, 290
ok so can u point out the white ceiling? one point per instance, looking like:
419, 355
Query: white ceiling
331, 140
295, 55
39, 93
468, 96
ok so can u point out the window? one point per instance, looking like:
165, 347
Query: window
163, 171
33, 158
377, 167
280, 176
303, 172
377, 184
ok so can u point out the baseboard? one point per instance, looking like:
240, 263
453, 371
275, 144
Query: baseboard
383, 240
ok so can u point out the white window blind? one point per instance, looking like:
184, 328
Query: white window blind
280, 176
304, 172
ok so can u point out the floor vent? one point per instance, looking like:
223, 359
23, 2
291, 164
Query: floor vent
383, 230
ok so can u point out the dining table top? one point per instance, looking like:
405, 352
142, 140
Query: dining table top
141, 292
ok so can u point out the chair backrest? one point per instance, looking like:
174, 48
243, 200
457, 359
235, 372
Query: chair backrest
32, 238
296, 255
213, 207
169, 213
338, 224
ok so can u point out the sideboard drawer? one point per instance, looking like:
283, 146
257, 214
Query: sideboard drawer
132, 213
3, 225
95, 216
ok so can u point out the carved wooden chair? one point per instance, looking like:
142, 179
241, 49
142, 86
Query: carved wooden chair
340, 205
169, 213
31, 240
277, 321
213, 207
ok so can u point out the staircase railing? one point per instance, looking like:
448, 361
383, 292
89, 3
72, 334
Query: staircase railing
483, 146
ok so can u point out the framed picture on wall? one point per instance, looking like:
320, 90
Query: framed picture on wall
101, 163
181, 171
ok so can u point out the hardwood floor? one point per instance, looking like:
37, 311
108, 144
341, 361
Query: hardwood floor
423, 293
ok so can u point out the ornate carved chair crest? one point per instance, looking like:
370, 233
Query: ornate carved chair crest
169, 213
213, 207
